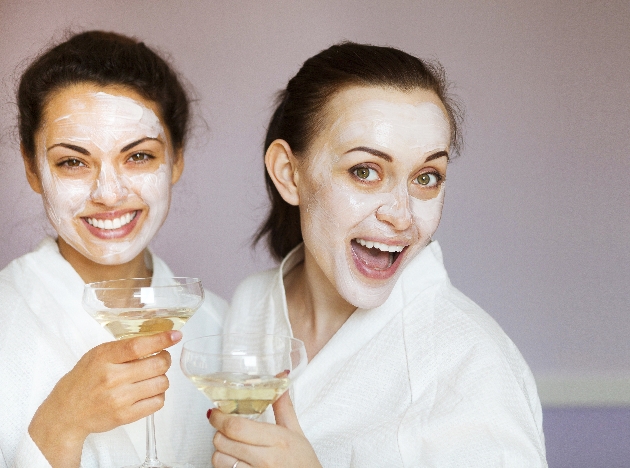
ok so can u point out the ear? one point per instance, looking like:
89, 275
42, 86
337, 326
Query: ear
31, 171
178, 166
282, 168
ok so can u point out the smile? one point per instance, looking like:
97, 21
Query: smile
115, 223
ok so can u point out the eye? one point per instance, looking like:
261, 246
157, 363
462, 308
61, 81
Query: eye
365, 173
71, 163
140, 157
428, 179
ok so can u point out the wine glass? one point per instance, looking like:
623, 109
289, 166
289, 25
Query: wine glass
243, 374
143, 306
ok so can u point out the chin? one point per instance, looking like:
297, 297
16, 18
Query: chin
109, 255
365, 296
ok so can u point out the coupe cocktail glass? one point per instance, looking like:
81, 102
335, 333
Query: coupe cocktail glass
243, 374
143, 306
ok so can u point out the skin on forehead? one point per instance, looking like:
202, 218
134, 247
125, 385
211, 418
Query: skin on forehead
362, 107
111, 115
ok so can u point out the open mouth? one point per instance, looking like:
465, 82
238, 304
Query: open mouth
376, 258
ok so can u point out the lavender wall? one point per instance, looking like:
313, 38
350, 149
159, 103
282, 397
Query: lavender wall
537, 218
587, 437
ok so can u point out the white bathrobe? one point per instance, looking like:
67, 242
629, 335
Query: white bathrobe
428, 379
43, 333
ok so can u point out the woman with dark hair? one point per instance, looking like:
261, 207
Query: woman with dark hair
404, 370
102, 124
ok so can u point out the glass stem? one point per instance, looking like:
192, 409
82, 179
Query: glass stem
152, 459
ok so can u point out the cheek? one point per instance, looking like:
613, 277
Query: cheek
153, 188
336, 209
63, 198
427, 213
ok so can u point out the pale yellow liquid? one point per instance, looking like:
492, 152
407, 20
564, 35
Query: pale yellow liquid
142, 322
242, 394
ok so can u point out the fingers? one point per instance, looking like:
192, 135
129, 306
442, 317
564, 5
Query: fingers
230, 450
152, 366
149, 388
285, 414
243, 430
221, 460
144, 408
141, 346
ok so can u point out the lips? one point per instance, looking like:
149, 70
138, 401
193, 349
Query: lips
375, 259
111, 225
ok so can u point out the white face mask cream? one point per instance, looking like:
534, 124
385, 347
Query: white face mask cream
105, 166
371, 188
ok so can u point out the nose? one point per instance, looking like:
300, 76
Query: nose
396, 210
108, 190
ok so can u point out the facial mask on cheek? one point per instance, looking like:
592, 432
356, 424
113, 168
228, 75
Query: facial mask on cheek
155, 191
427, 214
63, 199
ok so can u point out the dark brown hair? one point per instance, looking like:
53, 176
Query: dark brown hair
102, 58
299, 113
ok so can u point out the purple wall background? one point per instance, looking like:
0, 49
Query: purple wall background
537, 219
587, 437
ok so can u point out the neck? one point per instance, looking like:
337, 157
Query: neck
316, 310
91, 272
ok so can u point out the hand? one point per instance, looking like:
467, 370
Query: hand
108, 387
262, 445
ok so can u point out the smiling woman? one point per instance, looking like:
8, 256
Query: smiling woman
102, 150
404, 370
102, 130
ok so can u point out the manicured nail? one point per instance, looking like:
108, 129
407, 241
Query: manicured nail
209, 413
287, 371
176, 335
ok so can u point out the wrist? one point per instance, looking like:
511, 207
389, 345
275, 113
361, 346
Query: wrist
59, 440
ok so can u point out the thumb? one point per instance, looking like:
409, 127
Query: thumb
285, 414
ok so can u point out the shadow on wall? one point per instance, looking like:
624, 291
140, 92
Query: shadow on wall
587, 437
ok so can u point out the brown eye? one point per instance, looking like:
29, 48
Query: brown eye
72, 162
366, 173
427, 179
140, 157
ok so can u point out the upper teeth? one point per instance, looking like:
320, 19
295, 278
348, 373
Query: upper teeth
380, 246
112, 223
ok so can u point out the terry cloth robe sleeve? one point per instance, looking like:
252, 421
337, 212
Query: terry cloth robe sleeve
45, 331
425, 380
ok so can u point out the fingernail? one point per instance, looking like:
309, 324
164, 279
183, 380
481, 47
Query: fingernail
287, 371
176, 335
209, 413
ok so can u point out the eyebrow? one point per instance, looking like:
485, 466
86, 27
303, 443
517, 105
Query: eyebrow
372, 151
437, 155
81, 150
135, 143
78, 149
388, 158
